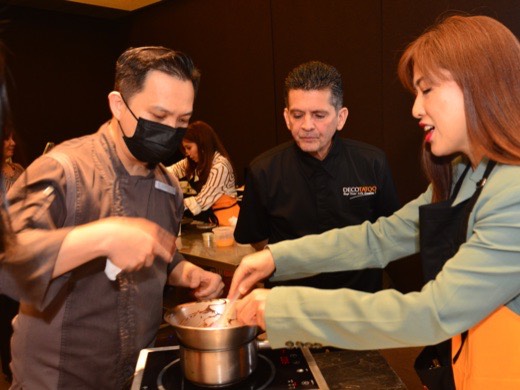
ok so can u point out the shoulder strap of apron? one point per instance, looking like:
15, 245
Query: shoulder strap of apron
464, 231
473, 200
456, 189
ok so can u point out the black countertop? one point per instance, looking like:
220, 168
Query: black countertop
363, 370
223, 260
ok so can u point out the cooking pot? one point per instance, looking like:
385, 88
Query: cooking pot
214, 353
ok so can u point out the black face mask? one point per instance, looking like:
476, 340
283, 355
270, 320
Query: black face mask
153, 142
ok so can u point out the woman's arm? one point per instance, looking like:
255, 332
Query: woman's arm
179, 168
369, 245
481, 277
350, 248
219, 179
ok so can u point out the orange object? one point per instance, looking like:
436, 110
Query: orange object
490, 357
225, 208
223, 236
226, 242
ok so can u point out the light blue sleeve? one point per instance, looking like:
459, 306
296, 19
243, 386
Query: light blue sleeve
353, 247
482, 276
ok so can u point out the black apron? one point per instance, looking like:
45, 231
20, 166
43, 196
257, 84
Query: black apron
443, 229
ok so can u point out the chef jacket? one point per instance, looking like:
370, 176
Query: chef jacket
290, 194
82, 330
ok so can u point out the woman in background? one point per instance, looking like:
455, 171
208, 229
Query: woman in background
9, 173
6, 238
8, 307
10, 170
208, 169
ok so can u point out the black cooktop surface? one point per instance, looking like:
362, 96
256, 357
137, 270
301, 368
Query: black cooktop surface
159, 368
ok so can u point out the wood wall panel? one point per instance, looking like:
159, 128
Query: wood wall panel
345, 34
61, 67
230, 41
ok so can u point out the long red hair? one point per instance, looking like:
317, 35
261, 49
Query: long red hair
483, 58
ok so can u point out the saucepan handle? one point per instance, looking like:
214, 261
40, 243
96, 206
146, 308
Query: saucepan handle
262, 342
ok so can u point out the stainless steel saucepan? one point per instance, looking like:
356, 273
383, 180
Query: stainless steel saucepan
214, 353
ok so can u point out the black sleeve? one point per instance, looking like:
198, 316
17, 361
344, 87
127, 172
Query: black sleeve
387, 199
253, 219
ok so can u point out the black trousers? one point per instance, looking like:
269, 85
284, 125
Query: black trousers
8, 310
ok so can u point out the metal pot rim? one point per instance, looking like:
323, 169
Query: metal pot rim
170, 316
206, 337
201, 328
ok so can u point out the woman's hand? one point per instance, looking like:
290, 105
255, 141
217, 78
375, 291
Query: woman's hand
252, 269
251, 309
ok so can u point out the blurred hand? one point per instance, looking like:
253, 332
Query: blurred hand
135, 242
129, 243
251, 309
252, 269
206, 284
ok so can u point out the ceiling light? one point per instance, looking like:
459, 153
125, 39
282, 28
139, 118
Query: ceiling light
125, 5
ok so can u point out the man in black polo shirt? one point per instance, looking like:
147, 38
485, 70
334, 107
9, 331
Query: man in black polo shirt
318, 181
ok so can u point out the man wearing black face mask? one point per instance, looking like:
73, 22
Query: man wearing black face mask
153, 142
94, 299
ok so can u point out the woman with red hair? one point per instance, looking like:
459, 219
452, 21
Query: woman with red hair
465, 74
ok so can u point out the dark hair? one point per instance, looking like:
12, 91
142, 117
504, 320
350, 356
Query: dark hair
5, 117
7, 129
134, 64
208, 143
7, 237
482, 56
316, 75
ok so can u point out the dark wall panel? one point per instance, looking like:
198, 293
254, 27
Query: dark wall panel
62, 70
345, 34
230, 41
246, 52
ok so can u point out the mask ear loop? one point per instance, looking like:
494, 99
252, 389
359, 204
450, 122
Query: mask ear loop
131, 112
127, 106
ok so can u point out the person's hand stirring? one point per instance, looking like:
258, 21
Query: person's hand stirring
252, 269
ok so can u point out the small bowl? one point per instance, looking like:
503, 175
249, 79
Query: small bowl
223, 236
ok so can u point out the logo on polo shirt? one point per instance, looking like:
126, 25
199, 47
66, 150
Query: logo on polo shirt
358, 192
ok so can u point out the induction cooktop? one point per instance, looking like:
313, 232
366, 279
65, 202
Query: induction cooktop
159, 368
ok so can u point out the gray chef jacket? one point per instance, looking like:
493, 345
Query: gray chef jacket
81, 330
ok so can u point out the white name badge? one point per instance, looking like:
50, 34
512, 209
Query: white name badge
165, 187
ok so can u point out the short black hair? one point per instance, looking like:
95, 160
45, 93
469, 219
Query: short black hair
316, 75
134, 64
